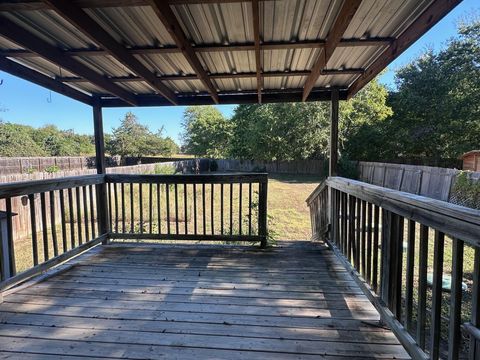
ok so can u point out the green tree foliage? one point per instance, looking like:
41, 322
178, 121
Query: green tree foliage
21, 140
206, 132
436, 107
280, 131
16, 140
134, 139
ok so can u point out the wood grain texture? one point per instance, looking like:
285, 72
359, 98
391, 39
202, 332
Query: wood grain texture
95, 309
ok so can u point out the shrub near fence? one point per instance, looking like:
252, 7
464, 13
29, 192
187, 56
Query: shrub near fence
304, 167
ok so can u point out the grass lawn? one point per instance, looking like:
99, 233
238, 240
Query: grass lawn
287, 206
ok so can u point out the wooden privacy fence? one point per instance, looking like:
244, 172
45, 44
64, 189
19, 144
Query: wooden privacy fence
67, 216
306, 167
188, 207
401, 247
428, 181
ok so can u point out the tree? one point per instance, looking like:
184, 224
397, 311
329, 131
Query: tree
134, 139
206, 132
436, 106
16, 140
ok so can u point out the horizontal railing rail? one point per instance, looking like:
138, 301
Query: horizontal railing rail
60, 216
417, 259
213, 207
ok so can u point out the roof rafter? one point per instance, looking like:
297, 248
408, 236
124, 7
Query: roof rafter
256, 36
167, 17
169, 49
345, 15
38, 78
23, 38
96, 33
434, 13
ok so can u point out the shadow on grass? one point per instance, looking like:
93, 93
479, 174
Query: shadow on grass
296, 178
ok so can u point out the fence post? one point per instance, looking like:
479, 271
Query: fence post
262, 211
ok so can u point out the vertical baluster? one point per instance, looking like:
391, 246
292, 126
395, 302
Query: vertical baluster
369, 243
410, 275
249, 209
110, 206
72, 217
240, 208
231, 208
43, 207
63, 220
185, 215
167, 200
363, 238
150, 207
439, 249
454, 330
475, 316
212, 223
115, 202
336, 218
422, 285
92, 210
204, 213
79, 215
195, 209
53, 225
140, 205
10, 243
159, 215
132, 211
357, 233
176, 208
351, 245
85, 212
122, 189
376, 223
221, 208
33, 222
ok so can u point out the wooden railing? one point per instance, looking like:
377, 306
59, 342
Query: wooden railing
211, 207
62, 221
386, 238
67, 216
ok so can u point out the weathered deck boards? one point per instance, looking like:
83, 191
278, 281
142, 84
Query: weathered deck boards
196, 302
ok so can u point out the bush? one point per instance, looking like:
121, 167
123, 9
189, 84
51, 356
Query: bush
52, 169
466, 191
164, 169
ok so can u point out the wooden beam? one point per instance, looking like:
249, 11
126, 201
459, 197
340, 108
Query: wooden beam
247, 97
345, 15
96, 33
256, 36
433, 14
35, 77
333, 160
218, 76
168, 19
206, 48
23, 38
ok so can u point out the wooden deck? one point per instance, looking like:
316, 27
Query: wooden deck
197, 302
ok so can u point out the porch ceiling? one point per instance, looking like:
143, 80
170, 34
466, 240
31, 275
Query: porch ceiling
153, 52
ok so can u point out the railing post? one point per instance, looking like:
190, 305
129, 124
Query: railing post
101, 189
4, 248
262, 211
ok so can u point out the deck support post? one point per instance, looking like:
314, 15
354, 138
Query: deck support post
101, 189
333, 158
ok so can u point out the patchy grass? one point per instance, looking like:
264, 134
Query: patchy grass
287, 206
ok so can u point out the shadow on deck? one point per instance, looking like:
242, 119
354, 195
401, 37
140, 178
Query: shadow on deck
295, 301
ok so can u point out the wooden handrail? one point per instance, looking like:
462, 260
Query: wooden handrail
371, 227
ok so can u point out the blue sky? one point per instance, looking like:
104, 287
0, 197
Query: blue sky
26, 103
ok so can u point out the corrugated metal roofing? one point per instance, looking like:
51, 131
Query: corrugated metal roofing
219, 24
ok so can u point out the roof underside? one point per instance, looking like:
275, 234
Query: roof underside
134, 52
